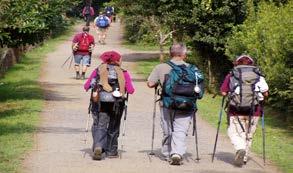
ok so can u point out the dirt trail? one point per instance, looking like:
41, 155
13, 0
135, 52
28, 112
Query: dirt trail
59, 144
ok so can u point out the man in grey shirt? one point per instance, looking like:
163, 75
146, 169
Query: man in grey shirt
174, 135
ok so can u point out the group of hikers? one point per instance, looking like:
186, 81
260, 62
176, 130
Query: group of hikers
179, 85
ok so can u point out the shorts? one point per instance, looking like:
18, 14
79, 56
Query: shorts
102, 30
82, 59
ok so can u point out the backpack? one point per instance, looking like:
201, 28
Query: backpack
84, 44
179, 87
102, 22
87, 10
243, 97
113, 82
109, 11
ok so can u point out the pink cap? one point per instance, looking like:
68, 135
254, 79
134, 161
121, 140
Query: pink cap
110, 57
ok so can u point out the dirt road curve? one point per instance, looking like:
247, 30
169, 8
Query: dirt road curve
59, 144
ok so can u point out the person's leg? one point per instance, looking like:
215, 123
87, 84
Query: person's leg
85, 65
77, 60
100, 35
104, 32
165, 125
238, 138
88, 18
254, 123
99, 133
181, 125
114, 129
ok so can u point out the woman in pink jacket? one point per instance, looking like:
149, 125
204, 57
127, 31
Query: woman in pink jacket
110, 86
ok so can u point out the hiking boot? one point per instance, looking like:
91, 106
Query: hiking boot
239, 158
175, 159
77, 76
97, 153
83, 77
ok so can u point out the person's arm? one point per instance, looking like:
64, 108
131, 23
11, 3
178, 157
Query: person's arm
87, 84
153, 79
225, 85
263, 87
128, 83
74, 44
92, 11
83, 11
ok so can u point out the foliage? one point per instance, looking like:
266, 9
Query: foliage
21, 101
268, 38
31, 21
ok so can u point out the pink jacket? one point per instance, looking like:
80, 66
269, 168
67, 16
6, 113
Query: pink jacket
128, 82
92, 11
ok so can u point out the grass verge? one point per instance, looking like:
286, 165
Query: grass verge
21, 101
279, 139
143, 47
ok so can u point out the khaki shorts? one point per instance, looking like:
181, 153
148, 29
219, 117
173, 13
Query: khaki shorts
102, 30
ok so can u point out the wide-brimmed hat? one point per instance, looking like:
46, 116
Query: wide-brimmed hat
110, 57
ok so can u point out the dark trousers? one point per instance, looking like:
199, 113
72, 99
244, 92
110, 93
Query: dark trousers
87, 19
106, 126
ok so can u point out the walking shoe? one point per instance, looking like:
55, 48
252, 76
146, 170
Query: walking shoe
175, 159
113, 155
245, 159
97, 153
239, 158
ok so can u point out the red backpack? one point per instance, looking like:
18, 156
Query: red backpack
84, 44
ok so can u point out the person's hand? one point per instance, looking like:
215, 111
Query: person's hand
91, 48
75, 47
224, 93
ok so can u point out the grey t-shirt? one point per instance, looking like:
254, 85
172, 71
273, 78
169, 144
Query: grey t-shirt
159, 72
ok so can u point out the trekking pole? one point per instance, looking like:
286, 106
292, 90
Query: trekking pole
66, 61
263, 138
154, 117
87, 122
124, 124
195, 136
70, 62
219, 124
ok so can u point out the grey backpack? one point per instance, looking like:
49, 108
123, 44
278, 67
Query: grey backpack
243, 97
113, 82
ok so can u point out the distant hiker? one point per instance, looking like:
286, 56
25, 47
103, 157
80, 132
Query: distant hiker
88, 12
82, 46
246, 88
102, 23
182, 85
109, 12
109, 84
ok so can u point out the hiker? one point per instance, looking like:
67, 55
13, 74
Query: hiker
82, 46
178, 111
87, 13
246, 88
102, 23
110, 84
109, 12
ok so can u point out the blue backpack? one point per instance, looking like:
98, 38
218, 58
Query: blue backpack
182, 87
102, 22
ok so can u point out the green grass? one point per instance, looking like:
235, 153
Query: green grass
279, 139
21, 101
143, 47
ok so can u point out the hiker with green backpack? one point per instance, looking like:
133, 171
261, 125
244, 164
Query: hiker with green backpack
182, 85
246, 89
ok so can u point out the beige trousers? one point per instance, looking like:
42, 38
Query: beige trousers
239, 138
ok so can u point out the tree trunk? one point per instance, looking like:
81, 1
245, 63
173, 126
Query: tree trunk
161, 53
209, 72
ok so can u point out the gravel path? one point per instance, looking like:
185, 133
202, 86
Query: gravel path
60, 147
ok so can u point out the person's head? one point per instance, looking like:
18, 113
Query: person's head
178, 50
243, 60
101, 13
86, 29
111, 57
